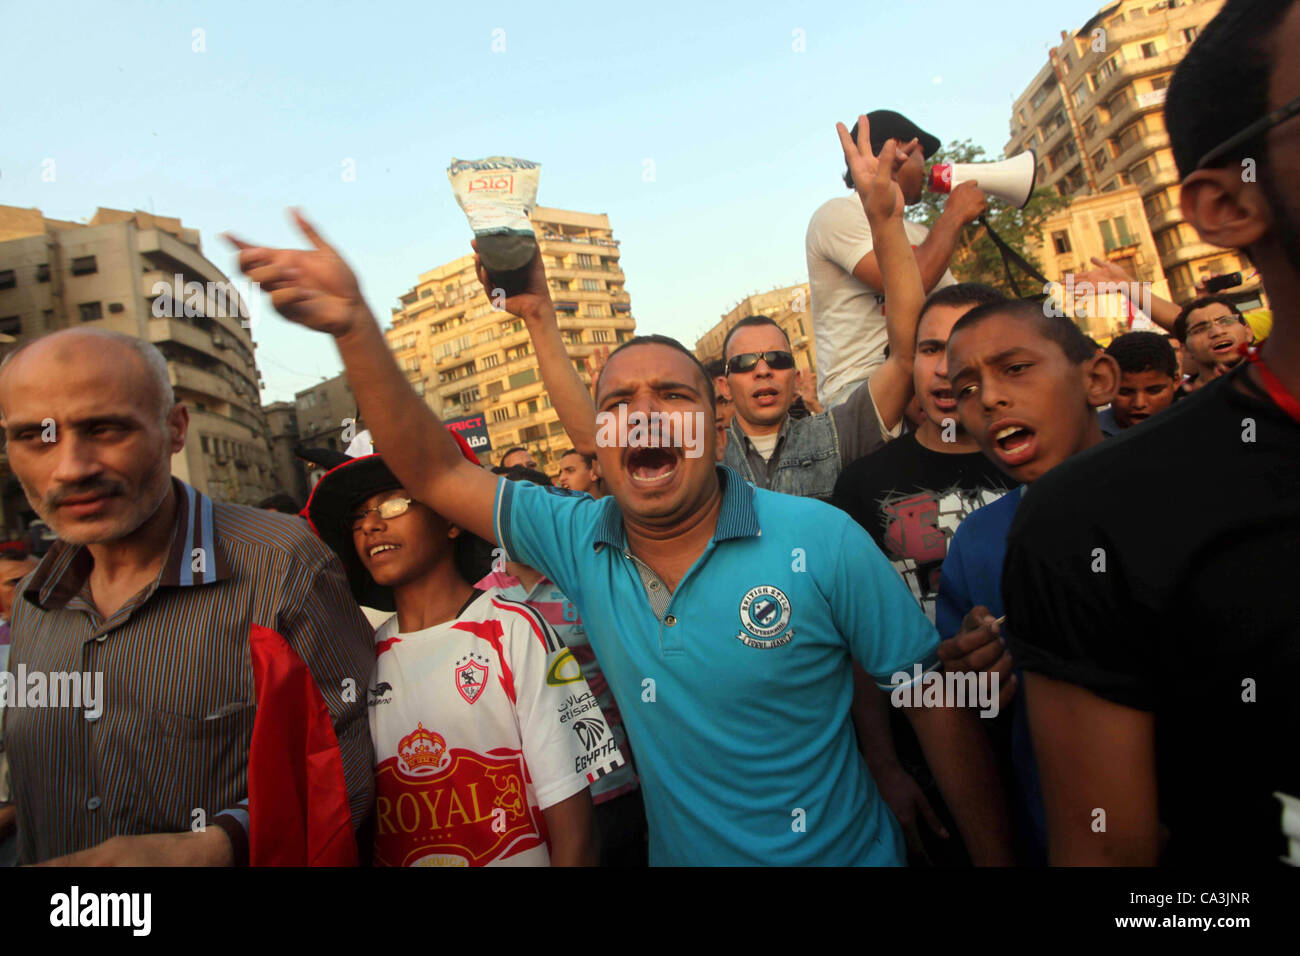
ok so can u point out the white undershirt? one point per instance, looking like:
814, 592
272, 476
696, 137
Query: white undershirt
765, 444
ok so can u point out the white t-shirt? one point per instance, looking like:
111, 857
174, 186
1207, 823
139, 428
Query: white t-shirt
848, 315
765, 444
478, 725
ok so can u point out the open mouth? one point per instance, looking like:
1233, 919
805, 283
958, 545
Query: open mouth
651, 466
944, 400
1224, 348
765, 397
382, 548
1015, 444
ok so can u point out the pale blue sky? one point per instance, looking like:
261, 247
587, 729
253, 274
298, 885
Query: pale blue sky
740, 126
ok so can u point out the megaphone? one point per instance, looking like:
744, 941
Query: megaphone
1009, 179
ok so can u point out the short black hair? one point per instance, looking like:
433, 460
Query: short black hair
672, 343
1078, 348
1221, 85
1144, 352
1180, 323
510, 451
280, 502
746, 322
963, 293
589, 459
522, 473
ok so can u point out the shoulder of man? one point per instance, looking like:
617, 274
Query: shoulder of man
839, 212
258, 531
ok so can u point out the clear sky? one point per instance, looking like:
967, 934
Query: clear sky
738, 122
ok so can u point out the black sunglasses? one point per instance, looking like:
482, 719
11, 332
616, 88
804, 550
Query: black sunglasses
748, 361
1255, 129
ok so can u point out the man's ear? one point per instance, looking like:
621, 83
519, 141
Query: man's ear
1223, 209
178, 426
1101, 377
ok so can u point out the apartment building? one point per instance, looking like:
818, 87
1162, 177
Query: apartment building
111, 273
788, 307
326, 414
1094, 115
283, 435
464, 357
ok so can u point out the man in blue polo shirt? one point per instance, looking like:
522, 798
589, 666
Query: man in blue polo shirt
726, 618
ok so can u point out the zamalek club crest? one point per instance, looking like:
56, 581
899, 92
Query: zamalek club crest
471, 676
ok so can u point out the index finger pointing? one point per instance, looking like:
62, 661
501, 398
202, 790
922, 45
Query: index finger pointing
310, 232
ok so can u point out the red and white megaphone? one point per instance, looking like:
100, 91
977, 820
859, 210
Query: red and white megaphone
1009, 179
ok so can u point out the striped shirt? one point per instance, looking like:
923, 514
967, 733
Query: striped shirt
168, 749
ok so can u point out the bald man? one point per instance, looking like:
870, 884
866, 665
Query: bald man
151, 597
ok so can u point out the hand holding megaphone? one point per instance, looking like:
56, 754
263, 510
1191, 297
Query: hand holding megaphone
1011, 179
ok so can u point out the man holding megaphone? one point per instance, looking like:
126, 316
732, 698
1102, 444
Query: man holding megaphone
847, 289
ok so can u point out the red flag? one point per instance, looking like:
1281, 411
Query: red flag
297, 795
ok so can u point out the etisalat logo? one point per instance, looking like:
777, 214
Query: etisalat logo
675, 429
940, 688
181, 299
22, 688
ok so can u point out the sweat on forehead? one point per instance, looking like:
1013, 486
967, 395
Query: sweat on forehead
660, 342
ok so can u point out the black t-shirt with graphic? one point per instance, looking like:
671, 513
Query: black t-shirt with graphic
911, 499
1196, 615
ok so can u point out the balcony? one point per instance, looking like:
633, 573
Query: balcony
1140, 149
1164, 219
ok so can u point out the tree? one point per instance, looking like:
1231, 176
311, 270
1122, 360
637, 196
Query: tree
976, 258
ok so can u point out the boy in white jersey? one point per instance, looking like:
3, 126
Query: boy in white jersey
481, 758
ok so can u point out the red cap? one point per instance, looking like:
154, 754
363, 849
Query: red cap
941, 178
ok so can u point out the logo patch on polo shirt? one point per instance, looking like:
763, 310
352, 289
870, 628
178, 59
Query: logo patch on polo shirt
764, 614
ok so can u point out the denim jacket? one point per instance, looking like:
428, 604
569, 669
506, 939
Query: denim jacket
805, 462
810, 452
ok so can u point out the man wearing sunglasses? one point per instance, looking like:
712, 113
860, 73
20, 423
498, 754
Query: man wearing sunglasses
805, 456
1160, 687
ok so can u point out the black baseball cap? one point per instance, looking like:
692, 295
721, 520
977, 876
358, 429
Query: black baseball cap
886, 125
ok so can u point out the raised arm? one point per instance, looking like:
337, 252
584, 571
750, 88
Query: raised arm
1163, 312
317, 289
569, 396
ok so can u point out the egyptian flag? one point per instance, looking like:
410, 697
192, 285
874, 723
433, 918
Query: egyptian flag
297, 795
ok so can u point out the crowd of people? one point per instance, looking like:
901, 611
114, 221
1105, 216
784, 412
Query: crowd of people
964, 600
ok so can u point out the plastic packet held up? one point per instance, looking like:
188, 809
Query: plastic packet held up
497, 195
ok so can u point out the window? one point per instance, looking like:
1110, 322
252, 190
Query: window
1107, 234
595, 311
426, 293
8, 279
497, 387
418, 387
469, 396
1037, 99
601, 335
1090, 127
500, 414
1159, 82
90, 311
585, 261
1100, 159
12, 325
523, 378
1155, 205
556, 428
532, 433
84, 266
43, 272
1141, 172
203, 443
1061, 240
1080, 96
1190, 34
1128, 138
590, 285
1074, 179
491, 361
1121, 230
1149, 50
